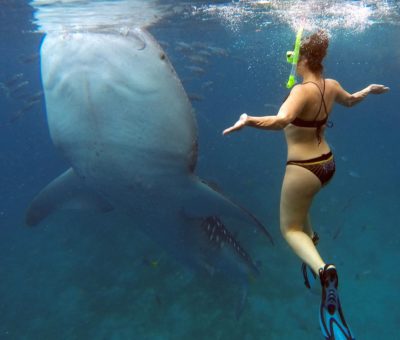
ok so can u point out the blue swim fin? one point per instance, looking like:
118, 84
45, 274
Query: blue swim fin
331, 318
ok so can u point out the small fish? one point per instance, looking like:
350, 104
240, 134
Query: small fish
204, 53
18, 87
195, 97
151, 263
354, 174
218, 51
34, 97
183, 47
337, 233
195, 69
163, 44
197, 59
367, 227
24, 96
13, 80
29, 97
363, 274
17, 115
199, 44
154, 263
207, 84
26, 59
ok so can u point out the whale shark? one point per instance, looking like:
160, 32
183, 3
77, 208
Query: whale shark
119, 115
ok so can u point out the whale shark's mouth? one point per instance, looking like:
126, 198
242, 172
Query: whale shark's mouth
89, 15
219, 236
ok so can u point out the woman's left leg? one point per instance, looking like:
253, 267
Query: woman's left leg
308, 229
298, 190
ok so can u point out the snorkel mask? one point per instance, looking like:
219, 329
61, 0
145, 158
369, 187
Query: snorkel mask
292, 57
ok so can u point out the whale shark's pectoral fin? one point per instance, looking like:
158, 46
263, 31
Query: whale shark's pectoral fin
65, 192
207, 201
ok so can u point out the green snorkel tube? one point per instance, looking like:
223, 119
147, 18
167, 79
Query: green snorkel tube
292, 57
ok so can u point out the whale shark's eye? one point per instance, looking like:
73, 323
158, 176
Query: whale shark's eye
162, 56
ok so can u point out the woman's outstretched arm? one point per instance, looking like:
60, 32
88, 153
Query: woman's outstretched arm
289, 110
349, 100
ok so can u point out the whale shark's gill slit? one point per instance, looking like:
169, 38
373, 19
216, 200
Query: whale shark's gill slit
193, 156
136, 35
219, 236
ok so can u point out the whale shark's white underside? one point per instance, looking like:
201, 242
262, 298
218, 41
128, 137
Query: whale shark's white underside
119, 115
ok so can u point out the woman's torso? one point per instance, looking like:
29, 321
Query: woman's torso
308, 142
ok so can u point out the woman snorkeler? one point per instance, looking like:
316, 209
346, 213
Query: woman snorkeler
310, 166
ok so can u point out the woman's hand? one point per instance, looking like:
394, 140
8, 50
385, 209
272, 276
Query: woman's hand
377, 89
238, 125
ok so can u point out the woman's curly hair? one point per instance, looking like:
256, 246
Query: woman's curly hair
314, 48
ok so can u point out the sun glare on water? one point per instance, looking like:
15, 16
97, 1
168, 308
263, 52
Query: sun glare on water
310, 14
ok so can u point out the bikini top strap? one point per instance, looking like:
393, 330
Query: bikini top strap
318, 130
322, 99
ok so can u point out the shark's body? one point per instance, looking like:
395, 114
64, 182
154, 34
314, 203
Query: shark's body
119, 115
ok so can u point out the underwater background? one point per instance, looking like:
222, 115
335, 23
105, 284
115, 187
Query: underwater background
86, 276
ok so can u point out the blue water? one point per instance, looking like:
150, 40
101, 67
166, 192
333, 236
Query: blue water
82, 276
